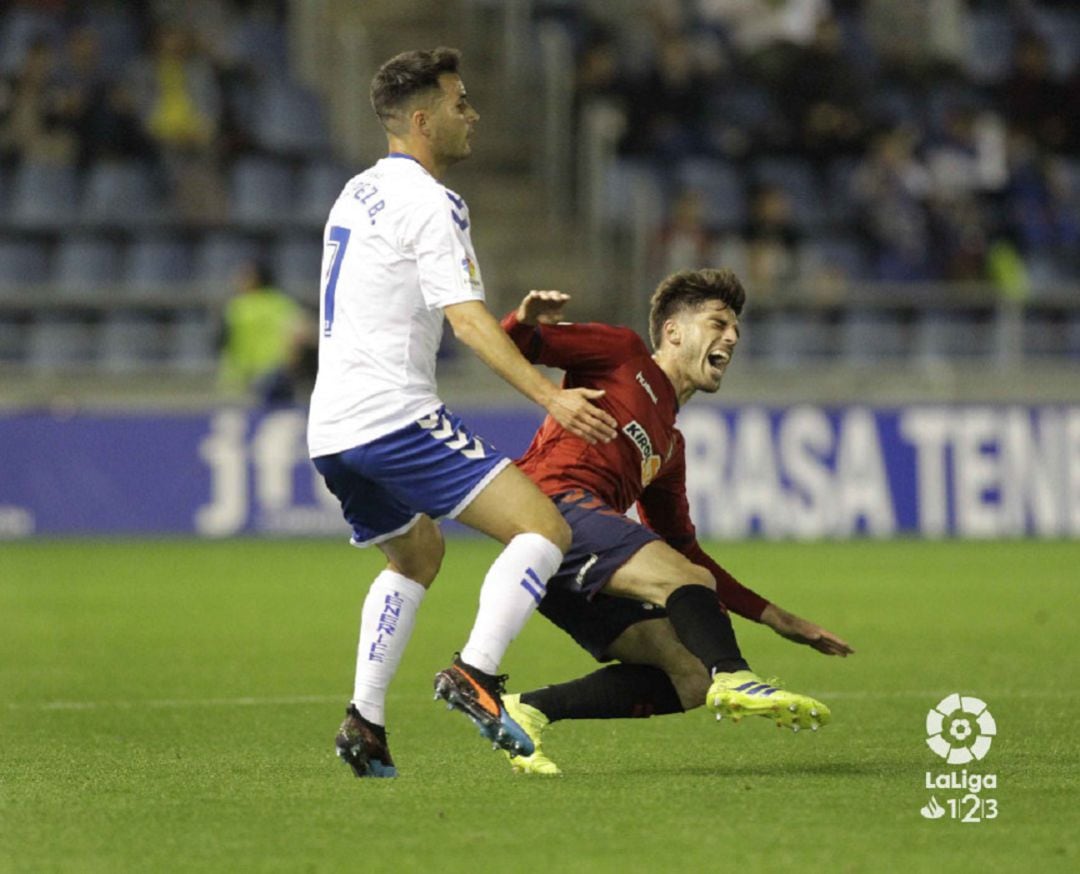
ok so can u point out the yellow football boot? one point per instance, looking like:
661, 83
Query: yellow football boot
744, 693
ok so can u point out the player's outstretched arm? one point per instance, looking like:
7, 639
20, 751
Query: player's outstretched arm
800, 630
573, 408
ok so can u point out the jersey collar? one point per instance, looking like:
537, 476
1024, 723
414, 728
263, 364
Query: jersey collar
405, 155
666, 386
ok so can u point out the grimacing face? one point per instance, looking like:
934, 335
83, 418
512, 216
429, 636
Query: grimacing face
708, 336
451, 120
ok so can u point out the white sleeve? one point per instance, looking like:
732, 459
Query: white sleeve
438, 234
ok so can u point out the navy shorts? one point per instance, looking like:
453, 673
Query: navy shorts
435, 466
604, 541
595, 623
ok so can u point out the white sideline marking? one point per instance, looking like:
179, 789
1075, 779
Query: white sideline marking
292, 700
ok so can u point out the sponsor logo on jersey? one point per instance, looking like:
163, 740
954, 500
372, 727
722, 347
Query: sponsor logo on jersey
644, 383
468, 267
650, 461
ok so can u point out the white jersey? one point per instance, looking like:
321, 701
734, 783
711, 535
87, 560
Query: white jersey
397, 250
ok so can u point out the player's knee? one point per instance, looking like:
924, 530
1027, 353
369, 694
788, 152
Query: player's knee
421, 567
551, 526
422, 558
431, 562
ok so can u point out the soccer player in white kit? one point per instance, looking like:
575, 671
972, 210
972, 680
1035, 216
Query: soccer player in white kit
397, 259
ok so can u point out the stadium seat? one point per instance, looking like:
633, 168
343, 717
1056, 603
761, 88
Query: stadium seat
129, 342
1068, 169
832, 258
20, 27
119, 193
261, 44
24, 261
868, 336
192, 343
989, 45
1072, 336
943, 334
297, 264
1047, 271
87, 266
723, 197
730, 251
118, 30
59, 342
320, 184
894, 106
289, 120
218, 255
841, 198
261, 192
747, 108
1043, 334
12, 340
797, 179
1060, 28
791, 339
157, 263
858, 48
945, 100
632, 191
44, 195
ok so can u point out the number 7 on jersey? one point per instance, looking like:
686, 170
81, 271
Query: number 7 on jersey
339, 240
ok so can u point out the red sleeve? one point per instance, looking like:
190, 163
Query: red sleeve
573, 346
663, 506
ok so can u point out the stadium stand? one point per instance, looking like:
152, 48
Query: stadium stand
886, 186
912, 154
24, 261
85, 265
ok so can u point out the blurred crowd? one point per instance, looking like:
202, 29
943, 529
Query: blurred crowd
152, 155
814, 142
162, 83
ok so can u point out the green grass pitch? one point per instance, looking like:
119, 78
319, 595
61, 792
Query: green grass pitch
170, 706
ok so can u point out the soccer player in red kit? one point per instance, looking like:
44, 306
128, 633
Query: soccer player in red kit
645, 594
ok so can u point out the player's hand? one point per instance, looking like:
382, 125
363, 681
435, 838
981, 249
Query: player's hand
542, 308
574, 410
800, 630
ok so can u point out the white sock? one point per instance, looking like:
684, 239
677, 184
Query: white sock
513, 587
385, 625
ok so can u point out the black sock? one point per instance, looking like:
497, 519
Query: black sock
704, 628
614, 692
489, 680
378, 730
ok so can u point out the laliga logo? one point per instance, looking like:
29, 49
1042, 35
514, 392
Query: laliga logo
960, 729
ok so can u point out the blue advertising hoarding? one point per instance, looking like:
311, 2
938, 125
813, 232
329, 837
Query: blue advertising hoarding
800, 472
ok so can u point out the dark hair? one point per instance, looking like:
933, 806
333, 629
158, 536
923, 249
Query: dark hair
689, 290
405, 76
